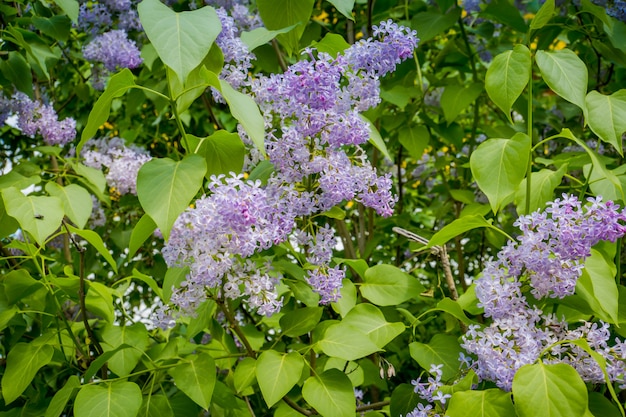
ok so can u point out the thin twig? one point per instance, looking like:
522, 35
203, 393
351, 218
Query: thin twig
279, 54
373, 406
299, 409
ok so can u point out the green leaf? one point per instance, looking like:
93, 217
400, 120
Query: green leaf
261, 36
330, 393
332, 43
376, 139
298, 322
136, 335
370, 320
119, 399
39, 216
100, 301
348, 299
387, 285
22, 364
182, 40
505, 12
458, 227
95, 240
62, 396
17, 70
453, 308
566, 74
488, 403
599, 12
244, 109
173, 277
277, 373
430, 24
443, 350
292, 12
118, 85
543, 16
600, 406
245, 374
344, 7
76, 200
549, 390
70, 7
507, 77
166, 187
144, 228
224, 152
57, 27
94, 178
456, 98
17, 285
415, 139
499, 166
99, 362
342, 340
543, 183
607, 116
403, 400
196, 378
156, 406
597, 286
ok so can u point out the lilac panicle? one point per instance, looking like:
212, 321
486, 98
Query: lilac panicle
121, 163
114, 50
548, 257
35, 117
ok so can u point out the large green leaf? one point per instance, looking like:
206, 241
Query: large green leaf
543, 183
456, 98
376, 139
95, 240
342, 340
386, 285
543, 16
196, 378
415, 139
136, 335
166, 187
330, 393
17, 70
549, 390
279, 14
597, 286
499, 166
607, 116
370, 320
404, 399
144, 228
261, 36
245, 374
507, 77
277, 373
566, 74
430, 24
488, 403
156, 406
62, 396
117, 86
119, 399
224, 152
443, 350
39, 216
458, 227
344, 7
70, 7
8, 224
22, 363
182, 40
76, 200
298, 322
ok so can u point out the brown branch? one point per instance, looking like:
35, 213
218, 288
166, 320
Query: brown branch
373, 406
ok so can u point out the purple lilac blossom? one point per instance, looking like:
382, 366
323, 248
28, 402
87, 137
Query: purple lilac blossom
114, 50
35, 117
313, 133
122, 163
548, 257
93, 19
429, 391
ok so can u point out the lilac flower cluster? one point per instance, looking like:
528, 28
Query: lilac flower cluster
237, 57
548, 258
114, 50
430, 391
218, 236
312, 121
109, 49
122, 163
35, 117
